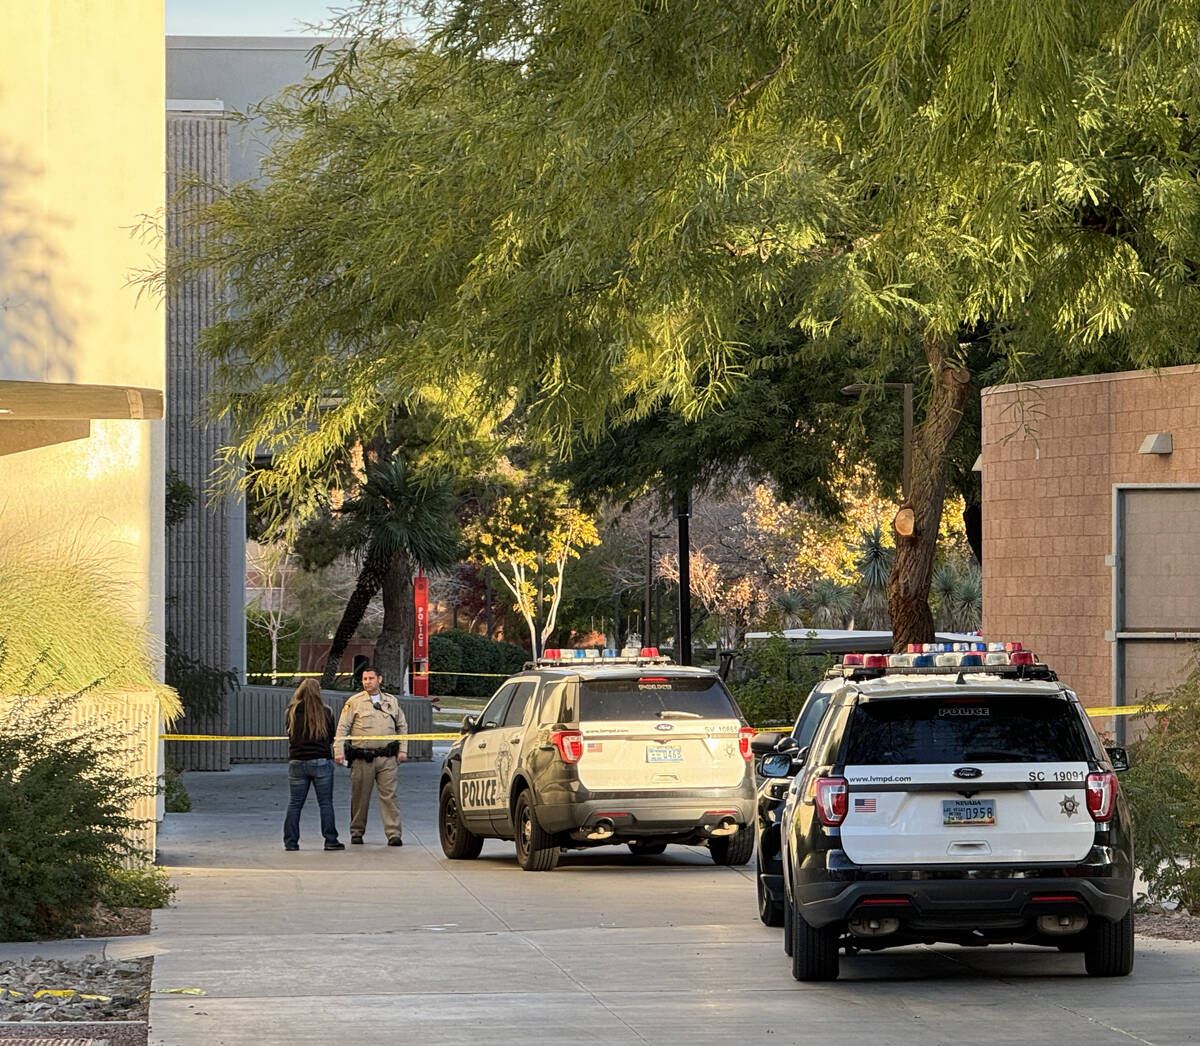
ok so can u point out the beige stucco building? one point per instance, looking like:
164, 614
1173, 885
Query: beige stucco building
81, 358
1091, 526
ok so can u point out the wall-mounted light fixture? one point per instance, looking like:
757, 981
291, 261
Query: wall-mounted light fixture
1157, 443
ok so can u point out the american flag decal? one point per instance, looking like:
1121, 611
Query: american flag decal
595, 746
864, 806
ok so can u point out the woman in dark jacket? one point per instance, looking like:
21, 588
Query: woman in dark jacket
310, 732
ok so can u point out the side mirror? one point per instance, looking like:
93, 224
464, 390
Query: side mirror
777, 765
1118, 757
761, 744
469, 723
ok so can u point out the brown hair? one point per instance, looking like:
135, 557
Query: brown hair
307, 701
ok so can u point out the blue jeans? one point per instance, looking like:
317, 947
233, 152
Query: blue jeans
302, 772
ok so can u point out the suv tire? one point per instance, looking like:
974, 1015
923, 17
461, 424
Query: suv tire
814, 952
787, 924
732, 850
647, 849
536, 851
770, 911
458, 842
1108, 950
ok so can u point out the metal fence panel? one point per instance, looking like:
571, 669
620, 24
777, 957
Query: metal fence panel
259, 711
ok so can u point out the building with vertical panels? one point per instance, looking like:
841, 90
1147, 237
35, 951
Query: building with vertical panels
199, 604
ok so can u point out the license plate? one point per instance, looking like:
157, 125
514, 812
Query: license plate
968, 811
664, 754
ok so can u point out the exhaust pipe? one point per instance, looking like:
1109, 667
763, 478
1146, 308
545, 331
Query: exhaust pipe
1061, 925
726, 826
870, 926
602, 829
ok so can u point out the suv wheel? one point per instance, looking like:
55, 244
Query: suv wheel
787, 924
814, 952
770, 911
1108, 950
647, 849
733, 850
458, 843
536, 851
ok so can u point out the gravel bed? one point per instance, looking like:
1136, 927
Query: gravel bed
115, 1033
121, 989
1167, 926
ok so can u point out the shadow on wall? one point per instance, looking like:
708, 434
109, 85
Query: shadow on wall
37, 331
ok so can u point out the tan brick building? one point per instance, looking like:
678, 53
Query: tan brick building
1091, 527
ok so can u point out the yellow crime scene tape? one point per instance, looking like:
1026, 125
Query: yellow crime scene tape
283, 737
1095, 713
317, 675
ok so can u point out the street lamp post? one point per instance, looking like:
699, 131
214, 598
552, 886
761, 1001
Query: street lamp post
858, 389
651, 537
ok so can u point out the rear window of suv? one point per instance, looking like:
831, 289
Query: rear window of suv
1003, 729
655, 697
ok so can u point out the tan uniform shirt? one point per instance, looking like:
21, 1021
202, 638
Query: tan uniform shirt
360, 718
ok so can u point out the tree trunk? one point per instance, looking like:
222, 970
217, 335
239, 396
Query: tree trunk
370, 579
912, 568
393, 648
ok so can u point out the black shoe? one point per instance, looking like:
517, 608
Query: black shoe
335, 846
395, 840
291, 848
356, 840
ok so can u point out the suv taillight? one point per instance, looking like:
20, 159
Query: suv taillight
830, 797
1101, 796
569, 744
744, 736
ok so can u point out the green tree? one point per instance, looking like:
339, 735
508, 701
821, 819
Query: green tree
587, 206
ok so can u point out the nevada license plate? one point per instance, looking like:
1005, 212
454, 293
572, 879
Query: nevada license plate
664, 754
968, 811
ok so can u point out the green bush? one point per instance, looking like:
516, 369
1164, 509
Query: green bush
175, 795
779, 678
488, 660
445, 659
146, 887
65, 797
1162, 786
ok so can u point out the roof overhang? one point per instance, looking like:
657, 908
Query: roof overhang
62, 401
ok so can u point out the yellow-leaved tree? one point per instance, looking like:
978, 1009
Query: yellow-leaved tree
527, 531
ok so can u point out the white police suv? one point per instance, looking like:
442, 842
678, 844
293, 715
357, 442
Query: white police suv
588, 748
957, 796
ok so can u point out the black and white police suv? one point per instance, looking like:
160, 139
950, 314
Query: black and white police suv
954, 796
583, 749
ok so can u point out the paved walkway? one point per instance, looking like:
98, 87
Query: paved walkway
395, 944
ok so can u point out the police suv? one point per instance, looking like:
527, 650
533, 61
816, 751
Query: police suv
587, 748
957, 796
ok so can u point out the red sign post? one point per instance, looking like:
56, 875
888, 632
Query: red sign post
420, 658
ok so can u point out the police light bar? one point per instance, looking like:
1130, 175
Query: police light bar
564, 656
940, 658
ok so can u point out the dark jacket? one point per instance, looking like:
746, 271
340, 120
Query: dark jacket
301, 746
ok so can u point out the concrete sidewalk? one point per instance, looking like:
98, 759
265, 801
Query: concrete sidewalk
392, 944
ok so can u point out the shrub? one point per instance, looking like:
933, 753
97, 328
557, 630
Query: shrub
779, 679
445, 659
65, 797
175, 795
146, 887
1163, 789
488, 660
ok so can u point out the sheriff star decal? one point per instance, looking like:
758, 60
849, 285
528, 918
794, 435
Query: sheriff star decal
1069, 805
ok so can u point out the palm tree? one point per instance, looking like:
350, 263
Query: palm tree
397, 522
791, 608
874, 566
957, 590
830, 604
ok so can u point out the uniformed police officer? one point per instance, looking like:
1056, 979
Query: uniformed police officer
372, 714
